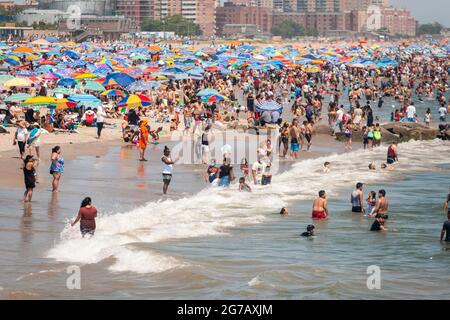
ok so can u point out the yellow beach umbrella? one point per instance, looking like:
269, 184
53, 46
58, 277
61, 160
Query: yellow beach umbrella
18, 82
86, 76
40, 101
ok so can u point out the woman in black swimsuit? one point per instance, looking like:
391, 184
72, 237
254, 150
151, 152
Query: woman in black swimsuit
29, 173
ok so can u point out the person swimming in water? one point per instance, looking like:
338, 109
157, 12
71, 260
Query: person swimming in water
326, 167
446, 229
309, 231
243, 186
284, 211
378, 224
319, 209
447, 202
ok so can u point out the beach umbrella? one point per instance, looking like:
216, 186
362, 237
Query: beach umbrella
207, 92
39, 101
134, 101
121, 79
12, 61
214, 98
113, 93
63, 90
143, 85
86, 76
18, 97
52, 39
62, 104
93, 86
269, 105
18, 82
87, 100
66, 82
5, 77
72, 54
41, 42
50, 76
23, 50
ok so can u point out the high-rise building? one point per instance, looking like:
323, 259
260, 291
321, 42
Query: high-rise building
318, 6
198, 11
136, 10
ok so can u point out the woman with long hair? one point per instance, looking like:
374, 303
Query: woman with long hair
56, 167
86, 216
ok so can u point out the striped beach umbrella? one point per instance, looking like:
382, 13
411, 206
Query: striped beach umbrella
134, 101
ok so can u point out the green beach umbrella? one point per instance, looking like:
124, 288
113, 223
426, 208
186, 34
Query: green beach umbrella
63, 90
92, 86
18, 97
5, 77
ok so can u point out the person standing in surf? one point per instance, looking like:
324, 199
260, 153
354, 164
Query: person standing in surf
86, 216
56, 167
143, 139
319, 209
167, 169
29, 173
356, 198
447, 202
392, 153
382, 203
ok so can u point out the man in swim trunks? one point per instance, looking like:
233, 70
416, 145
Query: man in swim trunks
392, 153
294, 133
320, 210
382, 204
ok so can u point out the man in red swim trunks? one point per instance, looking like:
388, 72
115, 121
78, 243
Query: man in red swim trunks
320, 210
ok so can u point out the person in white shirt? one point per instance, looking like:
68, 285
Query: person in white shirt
411, 112
100, 114
340, 115
167, 169
442, 113
258, 170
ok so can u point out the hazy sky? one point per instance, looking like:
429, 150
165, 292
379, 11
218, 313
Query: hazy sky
427, 10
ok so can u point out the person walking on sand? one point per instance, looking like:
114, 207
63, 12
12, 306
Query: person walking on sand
100, 120
21, 137
356, 198
143, 139
56, 167
29, 173
319, 209
86, 216
167, 169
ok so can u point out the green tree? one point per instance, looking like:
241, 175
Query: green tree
429, 28
177, 23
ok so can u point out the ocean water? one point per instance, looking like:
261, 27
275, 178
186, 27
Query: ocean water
220, 243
